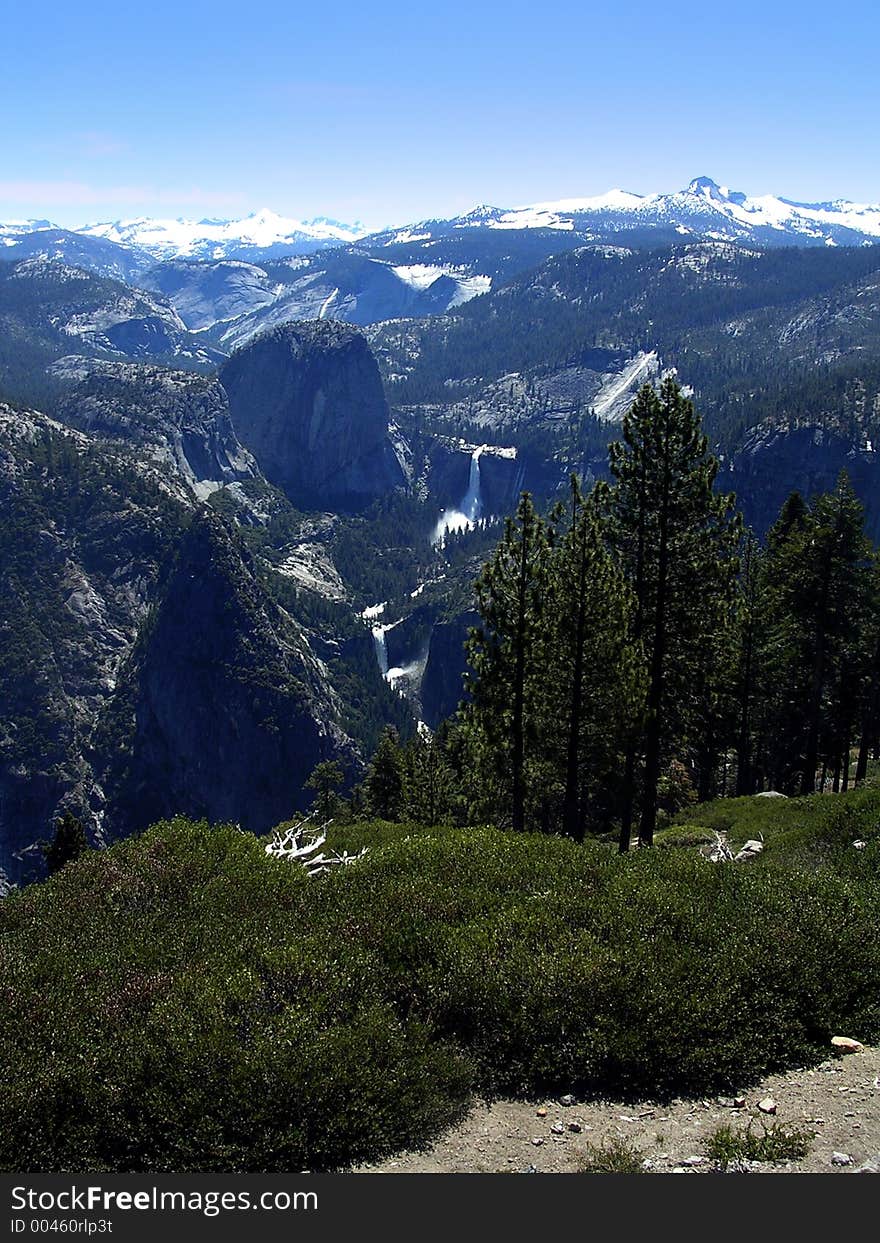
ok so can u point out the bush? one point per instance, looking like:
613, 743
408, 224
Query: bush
183, 1002
814, 832
167, 1006
775, 1143
614, 1156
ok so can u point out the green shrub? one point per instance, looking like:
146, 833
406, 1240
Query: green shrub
775, 1143
183, 1001
684, 836
614, 1156
166, 1005
813, 832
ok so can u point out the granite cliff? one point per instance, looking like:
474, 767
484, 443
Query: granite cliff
307, 400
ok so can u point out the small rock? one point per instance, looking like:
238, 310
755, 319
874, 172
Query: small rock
841, 1158
679, 1169
748, 851
690, 1161
567, 1100
557, 1129
575, 1128
542, 1112
846, 1044
739, 1102
859, 845
767, 1105
538, 1141
871, 1166
529, 1169
726, 1102
771, 794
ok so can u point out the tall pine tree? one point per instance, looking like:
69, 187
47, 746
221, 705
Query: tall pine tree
676, 539
506, 655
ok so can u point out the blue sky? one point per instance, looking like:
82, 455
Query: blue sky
389, 112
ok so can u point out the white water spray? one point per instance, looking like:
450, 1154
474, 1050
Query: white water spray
381, 648
469, 511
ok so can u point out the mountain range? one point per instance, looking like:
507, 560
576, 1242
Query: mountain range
289, 466
703, 208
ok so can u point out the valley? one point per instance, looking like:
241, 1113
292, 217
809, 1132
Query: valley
360, 414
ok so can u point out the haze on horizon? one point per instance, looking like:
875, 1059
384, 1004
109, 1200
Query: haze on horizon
362, 113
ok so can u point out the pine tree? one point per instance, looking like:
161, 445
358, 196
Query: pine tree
781, 664
746, 693
68, 843
505, 654
384, 782
676, 539
817, 585
833, 592
325, 779
594, 687
429, 795
869, 708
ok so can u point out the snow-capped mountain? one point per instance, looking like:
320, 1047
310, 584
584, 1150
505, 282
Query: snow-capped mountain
419, 252
11, 230
704, 209
262, 232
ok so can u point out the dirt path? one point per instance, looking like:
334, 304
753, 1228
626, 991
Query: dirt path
838, 1100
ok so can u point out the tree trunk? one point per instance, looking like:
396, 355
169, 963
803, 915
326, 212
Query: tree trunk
648, 821
626, 812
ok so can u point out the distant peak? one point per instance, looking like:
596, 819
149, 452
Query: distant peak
483, 211
705, 185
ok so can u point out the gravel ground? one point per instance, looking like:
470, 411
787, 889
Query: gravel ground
839, 1101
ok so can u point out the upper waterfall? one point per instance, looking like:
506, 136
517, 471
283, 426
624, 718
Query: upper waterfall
470, 508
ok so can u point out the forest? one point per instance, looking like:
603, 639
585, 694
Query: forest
639, 648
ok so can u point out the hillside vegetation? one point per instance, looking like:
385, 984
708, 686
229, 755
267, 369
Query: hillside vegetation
182, 1001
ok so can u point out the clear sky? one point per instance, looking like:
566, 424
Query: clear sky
388, 112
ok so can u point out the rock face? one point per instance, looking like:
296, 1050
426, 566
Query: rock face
307, 400
144, 668
86, 536
222, 711
442, 683
774, 462
180, 418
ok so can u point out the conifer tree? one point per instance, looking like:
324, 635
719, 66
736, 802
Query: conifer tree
778, 716
676, 539
833, 591
817, 587
594, 679
869, 708
384, 782
325, 779
506, 655
746, 692
429, 781
67, 844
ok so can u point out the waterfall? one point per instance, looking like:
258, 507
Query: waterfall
472, 503
381, 648
470, 510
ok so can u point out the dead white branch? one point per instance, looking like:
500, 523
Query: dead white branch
301, 844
